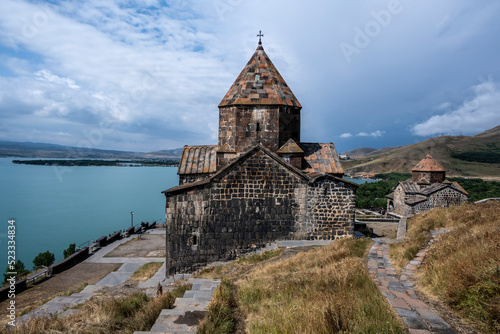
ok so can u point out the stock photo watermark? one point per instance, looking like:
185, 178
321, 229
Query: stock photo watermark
364, 35
222, 7
11, 273
30, 26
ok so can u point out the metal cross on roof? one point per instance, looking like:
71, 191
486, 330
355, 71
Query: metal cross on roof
260, 35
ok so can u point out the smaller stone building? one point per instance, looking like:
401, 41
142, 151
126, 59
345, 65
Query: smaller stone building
426, 190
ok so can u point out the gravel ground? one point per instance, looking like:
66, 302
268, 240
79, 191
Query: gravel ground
149, 245
387, 230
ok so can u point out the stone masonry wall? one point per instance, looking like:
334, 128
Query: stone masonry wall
244, 127
189, 178
400, 206
252, 205
256, 202
441, 199
289, 125
186, 216
331, 208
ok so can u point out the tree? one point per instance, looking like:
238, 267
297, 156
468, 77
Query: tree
71, 250
44, 259
18, 269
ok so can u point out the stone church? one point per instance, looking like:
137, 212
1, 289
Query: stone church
427, 189
260, 183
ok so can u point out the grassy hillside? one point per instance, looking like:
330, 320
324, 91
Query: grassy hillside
462, 268
450, 151
324, 290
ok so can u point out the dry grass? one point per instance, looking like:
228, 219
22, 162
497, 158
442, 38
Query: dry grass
418, 229
146, 271
326, 290
240, 266
105, 314
220, 317
462, 267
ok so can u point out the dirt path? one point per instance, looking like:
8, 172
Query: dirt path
71, 279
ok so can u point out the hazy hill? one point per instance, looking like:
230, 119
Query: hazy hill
368, 151
43, 150
164, 154
359, 152
444, 149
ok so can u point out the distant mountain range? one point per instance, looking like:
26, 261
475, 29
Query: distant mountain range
368, 151
469, 156
42, 150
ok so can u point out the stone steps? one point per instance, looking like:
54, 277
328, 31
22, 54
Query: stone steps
188, 311
56, 306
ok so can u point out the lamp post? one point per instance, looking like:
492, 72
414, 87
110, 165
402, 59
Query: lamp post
132, 219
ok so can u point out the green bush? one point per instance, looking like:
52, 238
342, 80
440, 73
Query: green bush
484, 157
71, 250
478, 189
44, 259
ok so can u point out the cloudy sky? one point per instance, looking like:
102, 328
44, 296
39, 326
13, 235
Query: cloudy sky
148, 75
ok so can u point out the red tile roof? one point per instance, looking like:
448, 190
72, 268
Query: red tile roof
428, 164
321, 158
260, 83
198, 160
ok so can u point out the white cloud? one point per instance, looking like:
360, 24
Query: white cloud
50, 77
112, 62
157, 71
443, 106
480, 113
377, 133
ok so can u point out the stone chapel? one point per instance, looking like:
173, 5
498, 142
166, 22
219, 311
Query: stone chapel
427, 189
260, 183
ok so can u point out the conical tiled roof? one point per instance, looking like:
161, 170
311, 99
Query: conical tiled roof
260, 83
290, 147
428, 164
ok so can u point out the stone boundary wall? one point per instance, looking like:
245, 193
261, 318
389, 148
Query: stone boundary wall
486, 200
72, 260
20, 287
402, 227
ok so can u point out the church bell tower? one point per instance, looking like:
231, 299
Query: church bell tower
259, 108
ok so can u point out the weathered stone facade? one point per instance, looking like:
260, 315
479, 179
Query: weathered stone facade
260, 184
427, 189
255, 200
242, 127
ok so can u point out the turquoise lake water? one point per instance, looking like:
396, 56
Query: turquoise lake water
56, 206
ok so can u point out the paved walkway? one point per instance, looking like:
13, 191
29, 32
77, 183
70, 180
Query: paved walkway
63, 305
400, 292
